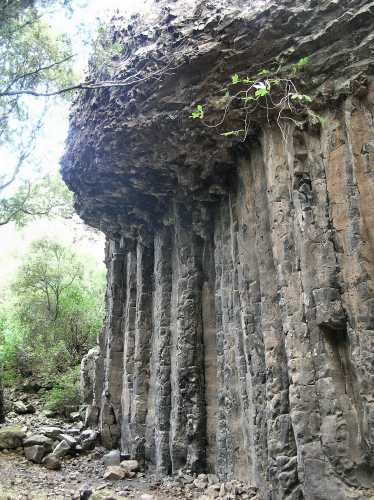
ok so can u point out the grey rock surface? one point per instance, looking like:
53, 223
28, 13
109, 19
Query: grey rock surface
38, 439
35, 453
62, 449
11, 437
23, 408
51, 462
239, 331
112, 458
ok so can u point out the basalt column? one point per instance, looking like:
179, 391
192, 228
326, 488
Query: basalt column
187, 432
159, 398
110, 416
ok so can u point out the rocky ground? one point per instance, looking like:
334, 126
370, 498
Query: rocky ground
85, 473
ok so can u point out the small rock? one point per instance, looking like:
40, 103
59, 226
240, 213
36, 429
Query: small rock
35, 453
186, 479
213, 490
114, 472
50, 413
39, 439
212, 479
50, 431
11, 438
146, 496
73, 431
69, 439
201, 484
112, 458
22, 408
75, 416
51, 462
88, 439
222, 490
130, 465
62, 449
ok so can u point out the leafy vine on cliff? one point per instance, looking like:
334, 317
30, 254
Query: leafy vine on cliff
273, 92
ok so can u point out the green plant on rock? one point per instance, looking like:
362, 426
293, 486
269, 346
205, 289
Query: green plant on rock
199, 112
271, 92
64, 397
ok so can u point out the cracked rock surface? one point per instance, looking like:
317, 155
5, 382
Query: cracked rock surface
240, 304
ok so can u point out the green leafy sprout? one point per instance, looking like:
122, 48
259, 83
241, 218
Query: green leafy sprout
272, 91
198, 113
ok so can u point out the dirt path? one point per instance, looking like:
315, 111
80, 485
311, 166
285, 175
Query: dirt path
22, 479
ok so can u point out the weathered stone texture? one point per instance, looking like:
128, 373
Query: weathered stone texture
240, 306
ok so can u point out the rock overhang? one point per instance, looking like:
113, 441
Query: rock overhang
133, 150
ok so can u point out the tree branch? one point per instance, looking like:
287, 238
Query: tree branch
17, 168
35, 72
131, 80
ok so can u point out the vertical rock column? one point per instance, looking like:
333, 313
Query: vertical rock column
236, 435
128, 333
188, 406
348, 144
277, 472
142, 348
110, 416
159, 400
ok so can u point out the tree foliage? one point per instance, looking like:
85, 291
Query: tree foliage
53, 314
32, 57
47, 197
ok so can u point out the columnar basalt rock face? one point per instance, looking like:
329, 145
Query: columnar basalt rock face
240, 305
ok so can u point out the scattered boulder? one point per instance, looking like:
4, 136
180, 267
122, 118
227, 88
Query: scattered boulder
112, 458
11, 437
222, 490
73, 431
213, 490
88, 440
50, 413
75, 416
40, 440
62, 449
51, 432
201, 482
72, 442
146, 496
23, 408
212, 478
51, 462
130, 465
115, 472
35, 453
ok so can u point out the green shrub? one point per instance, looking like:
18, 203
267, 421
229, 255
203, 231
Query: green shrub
64, 397
15, 356
52, 313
